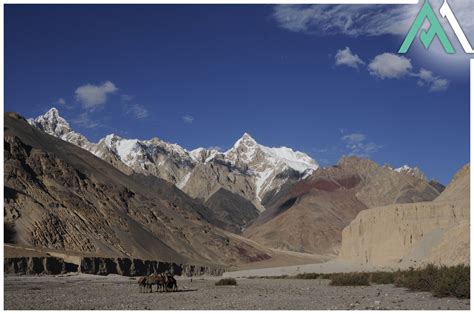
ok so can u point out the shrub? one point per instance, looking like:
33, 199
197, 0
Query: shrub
325, 276
268, 277
307, 276
442, 281
350, 279
227, 282
276, 277
422, 279
382, 278
453, 282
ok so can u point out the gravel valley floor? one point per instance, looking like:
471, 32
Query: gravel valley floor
81, 292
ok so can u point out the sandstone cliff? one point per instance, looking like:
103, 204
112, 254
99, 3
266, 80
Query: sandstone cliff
405, 235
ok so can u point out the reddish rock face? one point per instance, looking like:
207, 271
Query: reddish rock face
310, 215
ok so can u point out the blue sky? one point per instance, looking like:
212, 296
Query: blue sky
203, 75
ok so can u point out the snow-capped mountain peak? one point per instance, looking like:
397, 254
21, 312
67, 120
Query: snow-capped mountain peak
266, 162
255, 168
246, 139
202, 154
51, 122
295, 159
414, 171
246, 149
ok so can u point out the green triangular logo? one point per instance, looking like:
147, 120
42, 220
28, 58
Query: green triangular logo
426, 13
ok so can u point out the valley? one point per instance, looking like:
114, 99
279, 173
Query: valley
130, 207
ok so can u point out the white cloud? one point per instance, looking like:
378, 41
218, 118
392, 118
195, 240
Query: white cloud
368, 20
346, 57
389, 65
60, 101
84, 121
187, 119
352, 20
353, 138
375, 20
435, 83
138, 111
126, 97
357, 144
91, 96
439, 85
392, 66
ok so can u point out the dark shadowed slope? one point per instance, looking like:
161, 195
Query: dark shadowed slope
60, 196
232, 210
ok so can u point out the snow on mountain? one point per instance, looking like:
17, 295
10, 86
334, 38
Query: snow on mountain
267, 167
414, 171
53, 124
247, 150
267, 162
129, 151
203, 155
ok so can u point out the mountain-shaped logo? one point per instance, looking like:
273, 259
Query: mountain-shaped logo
435, 29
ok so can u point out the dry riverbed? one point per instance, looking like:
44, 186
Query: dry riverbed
113, 292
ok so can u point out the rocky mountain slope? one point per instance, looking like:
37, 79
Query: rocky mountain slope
405, 235
234, 211
414, 171
310, 215
248, 169
60, 196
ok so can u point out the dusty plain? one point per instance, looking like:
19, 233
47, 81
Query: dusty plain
89, 292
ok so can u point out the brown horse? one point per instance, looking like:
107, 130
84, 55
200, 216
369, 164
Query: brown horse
159, 280
164, 282
141, 284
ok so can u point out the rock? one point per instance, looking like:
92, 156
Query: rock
102, 266
428, 232
59, 196
37, 265
298, 219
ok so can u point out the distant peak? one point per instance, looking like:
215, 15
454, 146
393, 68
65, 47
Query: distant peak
414, 171
52, 113
51, 116
53, 110
112, 136
246, 139
247, 136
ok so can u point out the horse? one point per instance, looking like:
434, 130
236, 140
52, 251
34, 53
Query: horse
141, 283
172, 284
155, 279
164, 282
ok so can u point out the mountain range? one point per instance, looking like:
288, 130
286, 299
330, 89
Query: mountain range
60, 196
249, 169
156, 200
327, 201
